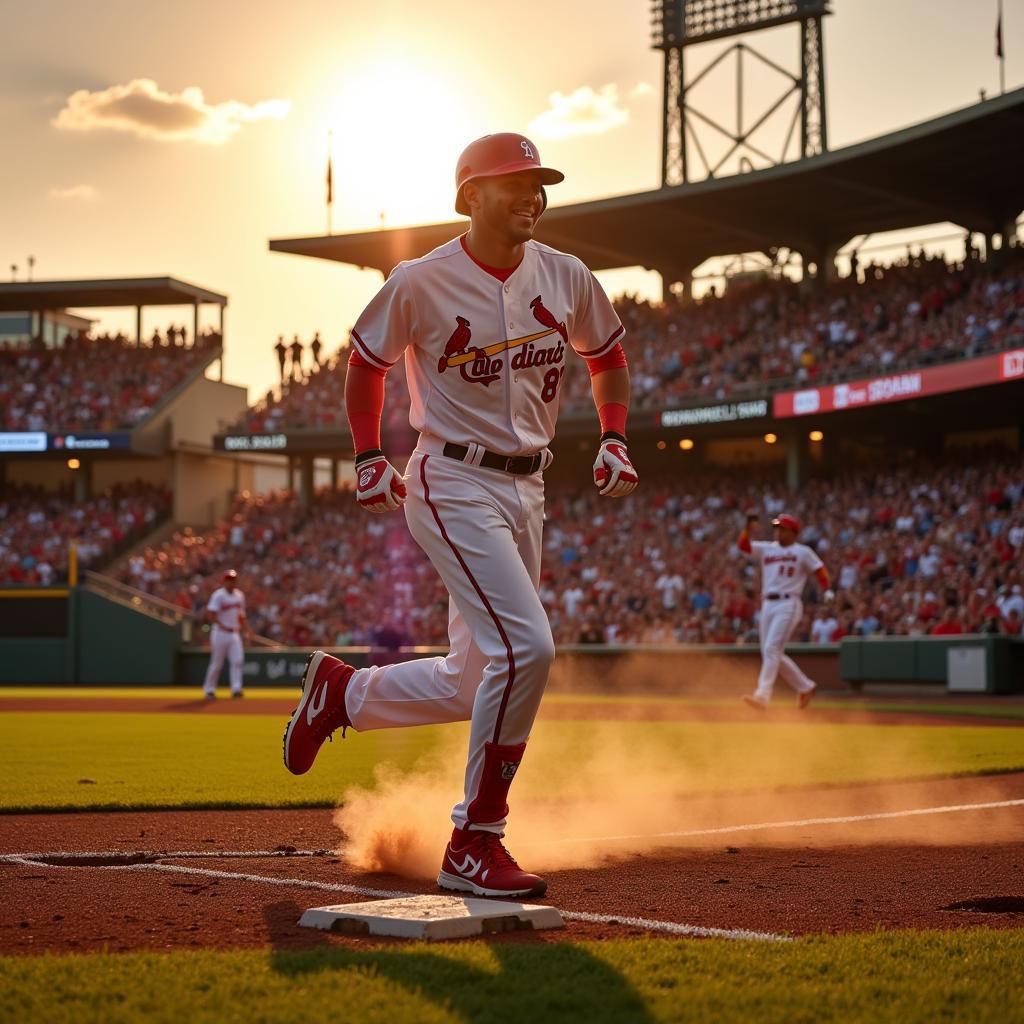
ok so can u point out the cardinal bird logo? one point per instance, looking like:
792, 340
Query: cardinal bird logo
544, 317
475, 365
457, 343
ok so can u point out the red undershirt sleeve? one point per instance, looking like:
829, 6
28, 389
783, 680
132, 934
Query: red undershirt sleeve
744, 543
612, 415
364, 401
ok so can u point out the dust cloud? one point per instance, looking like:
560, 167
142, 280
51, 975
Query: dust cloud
590, 792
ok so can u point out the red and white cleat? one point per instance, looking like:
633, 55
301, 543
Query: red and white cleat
477, 862
320, 712
803, 699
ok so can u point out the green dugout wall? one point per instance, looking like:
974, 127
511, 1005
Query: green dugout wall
86, 635
73, 635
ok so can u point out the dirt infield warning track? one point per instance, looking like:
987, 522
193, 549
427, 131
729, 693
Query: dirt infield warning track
576, 710
900, 856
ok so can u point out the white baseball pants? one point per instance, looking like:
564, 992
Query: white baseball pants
224, 644
481, 529
778, 620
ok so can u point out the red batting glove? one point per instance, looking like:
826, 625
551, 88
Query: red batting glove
379, 488
614, 474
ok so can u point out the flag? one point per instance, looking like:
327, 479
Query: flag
999, 35
330, 182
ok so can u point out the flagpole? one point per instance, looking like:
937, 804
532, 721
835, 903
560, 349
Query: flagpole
330, 182
1002, 53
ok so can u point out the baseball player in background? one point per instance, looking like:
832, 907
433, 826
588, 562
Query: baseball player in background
486, 324
226, 615
785, 566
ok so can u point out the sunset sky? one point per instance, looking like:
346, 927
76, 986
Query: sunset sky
177, 138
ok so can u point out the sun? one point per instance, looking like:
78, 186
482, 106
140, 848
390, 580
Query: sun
397, 129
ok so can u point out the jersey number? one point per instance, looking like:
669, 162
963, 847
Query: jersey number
786, 570
551, 381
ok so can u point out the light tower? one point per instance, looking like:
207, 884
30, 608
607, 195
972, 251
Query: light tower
678, 24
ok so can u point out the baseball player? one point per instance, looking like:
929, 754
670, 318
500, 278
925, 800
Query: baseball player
785, 566
486, 324
226, 614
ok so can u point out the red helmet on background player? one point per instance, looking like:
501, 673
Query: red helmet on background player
501, 153
230, 574
787, 522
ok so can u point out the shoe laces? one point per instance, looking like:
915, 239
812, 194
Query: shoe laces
498, 855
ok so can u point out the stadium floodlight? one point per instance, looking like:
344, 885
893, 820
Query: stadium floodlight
677, 24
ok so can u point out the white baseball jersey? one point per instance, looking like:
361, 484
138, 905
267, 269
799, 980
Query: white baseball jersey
484, 358
226, 608
785, 568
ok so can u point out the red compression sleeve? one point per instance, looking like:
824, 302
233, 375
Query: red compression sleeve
744, 543
612, 416
822, 577
613, 359
364, 401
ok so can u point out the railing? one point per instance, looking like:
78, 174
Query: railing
155, 607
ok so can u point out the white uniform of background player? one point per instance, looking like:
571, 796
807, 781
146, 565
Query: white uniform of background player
785, 568
226, 613
485, 350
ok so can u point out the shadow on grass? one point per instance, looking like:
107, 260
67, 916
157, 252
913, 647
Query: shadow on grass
529, 979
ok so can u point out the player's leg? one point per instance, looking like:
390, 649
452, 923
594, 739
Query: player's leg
788, 668
218, 652
503, 715
421, 692
774, 628
427, 690
493, 574
236, 659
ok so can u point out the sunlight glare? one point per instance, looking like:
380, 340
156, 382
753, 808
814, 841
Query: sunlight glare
398, 130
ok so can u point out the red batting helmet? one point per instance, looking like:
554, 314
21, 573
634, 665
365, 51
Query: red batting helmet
787, 522
501, 153
230, 574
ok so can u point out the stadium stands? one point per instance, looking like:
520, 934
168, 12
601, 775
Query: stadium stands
317, 400
658, 567
755, 337
95, 383
37, 528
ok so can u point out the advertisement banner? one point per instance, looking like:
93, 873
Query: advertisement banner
727, 412
896, 387
37, 441
23, 441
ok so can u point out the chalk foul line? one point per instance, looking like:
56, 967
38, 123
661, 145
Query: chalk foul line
670, 927
764, 826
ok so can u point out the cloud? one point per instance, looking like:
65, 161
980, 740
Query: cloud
641, 89
144, 109
585, 111
84, 192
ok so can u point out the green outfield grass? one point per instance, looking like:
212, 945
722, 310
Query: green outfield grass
136, 760
896, 976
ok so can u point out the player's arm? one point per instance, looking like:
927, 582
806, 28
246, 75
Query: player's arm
821, 575
379, 488
614, 474
743, 542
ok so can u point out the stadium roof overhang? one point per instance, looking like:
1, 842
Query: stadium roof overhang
104, 294
964, 167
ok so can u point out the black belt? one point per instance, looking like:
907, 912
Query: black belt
520, 465
776, 597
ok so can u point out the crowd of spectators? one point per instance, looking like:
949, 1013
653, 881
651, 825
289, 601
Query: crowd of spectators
756, 336
95, 383
37, 528
771, 334
315, 400
918, 551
